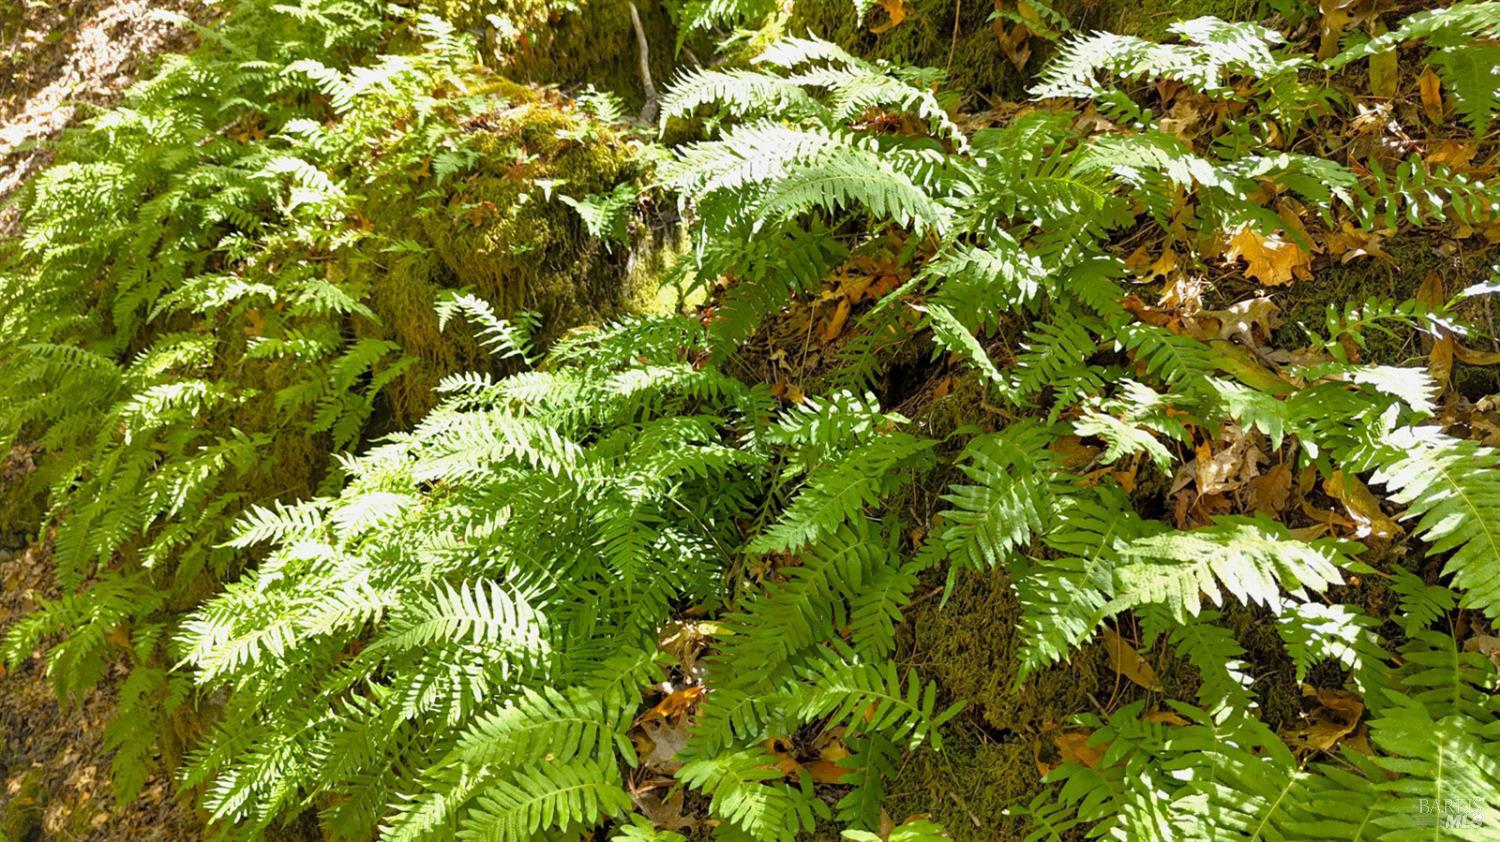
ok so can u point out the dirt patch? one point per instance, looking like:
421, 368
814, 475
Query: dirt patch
58, 58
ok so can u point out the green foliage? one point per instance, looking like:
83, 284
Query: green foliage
1464, 55
458, 632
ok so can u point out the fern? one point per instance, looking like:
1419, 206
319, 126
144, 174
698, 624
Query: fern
1448, 490
1463, 58
1254, 559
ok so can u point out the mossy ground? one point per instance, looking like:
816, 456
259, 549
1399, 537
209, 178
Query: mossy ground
500, 231
1413, 257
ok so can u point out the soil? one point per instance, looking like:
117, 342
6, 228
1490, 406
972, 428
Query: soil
59, 61
52, 757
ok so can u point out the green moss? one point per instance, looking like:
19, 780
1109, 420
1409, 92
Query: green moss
571, 43
1413, 257
968, 646
21, 815
968, 785
500, 230
1276, 688
971, 53
501, 233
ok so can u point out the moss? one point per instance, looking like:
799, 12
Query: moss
1414, 256
1276, 688
968, 646
500, 233
990, 752
21, 815
968, 785
972, 54
566, 44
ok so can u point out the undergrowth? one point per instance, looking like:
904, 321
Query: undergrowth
613, 571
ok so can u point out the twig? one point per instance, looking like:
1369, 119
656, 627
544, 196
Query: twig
958, 10
649, 110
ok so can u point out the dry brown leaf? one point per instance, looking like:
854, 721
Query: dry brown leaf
1165, 717
1273, 261
1440, 358
1350, 243
834, 751
1486, 644
1015, 43
1327, 517
1128, 662
658, 742
1073, 451
826, 771
835, 324
1229, 468
1073, 747
1431, 86
1452, 153
676, 703
1251, 320
1362, 506
779, 748
1337, 715
665, 813
685, 640
1471, 357
1335, 15
1181, 120
895, 11
788, 392
1271, 491
1163, 267
1154, 316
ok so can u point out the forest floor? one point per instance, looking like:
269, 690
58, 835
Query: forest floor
53, 760
58, 59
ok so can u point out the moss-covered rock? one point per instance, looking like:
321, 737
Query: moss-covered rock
500, 230
971, 51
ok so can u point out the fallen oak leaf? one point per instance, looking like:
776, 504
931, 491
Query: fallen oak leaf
1074, 747
826, 771
1271, 491
1273, 260
1337, 715
1362, 506
1485, 644
677, 702
1431, 87
1351, 242
1128, 662
1251, 320
658, 744
665, 813
895, 11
